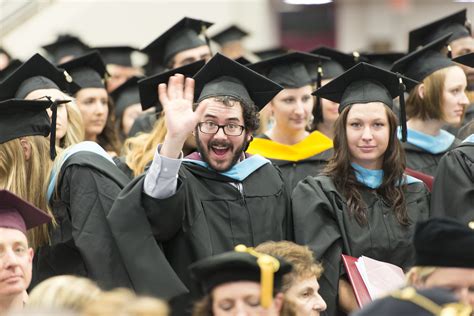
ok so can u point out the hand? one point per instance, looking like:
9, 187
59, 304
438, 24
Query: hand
177, 101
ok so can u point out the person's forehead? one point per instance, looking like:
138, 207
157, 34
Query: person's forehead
221, 110
10, 236
236, 289
461, 42
371, 109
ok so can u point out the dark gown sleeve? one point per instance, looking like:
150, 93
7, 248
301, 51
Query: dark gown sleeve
148, 269
316, 226
453, 188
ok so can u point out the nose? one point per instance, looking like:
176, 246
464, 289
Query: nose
241, 310
367, 133
220, 133
319, 305
299, 108
464, 100
100, 107
9, 260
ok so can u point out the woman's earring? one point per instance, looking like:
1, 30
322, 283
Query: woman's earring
270, 122
309, 125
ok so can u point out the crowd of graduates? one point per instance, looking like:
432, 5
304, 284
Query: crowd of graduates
234, 182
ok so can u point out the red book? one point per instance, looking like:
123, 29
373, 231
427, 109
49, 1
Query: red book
361, 293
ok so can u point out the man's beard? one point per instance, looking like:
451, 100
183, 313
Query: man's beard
205, 156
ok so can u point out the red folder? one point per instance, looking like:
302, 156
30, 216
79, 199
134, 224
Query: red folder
361, 293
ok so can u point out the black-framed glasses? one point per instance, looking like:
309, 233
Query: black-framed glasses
230, 129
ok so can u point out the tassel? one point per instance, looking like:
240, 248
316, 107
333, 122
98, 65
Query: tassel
318, 110
54, 116
450, 52
403, 117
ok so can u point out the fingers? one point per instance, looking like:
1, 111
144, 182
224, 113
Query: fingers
200, 110
163, 94
189, 89
176, 86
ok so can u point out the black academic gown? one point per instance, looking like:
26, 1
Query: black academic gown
453, 188
206, 216
82, 243
420, 160
323, 222
122, 165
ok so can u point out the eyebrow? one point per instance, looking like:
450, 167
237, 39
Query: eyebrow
227, 119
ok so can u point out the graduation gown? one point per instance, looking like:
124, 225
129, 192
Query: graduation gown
122, 165
81, 243
420, 160
453, 188
206, 216
296, 162
323, 222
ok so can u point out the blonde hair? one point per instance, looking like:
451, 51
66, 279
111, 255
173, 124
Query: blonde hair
28, 178
419, 274
64, 292
123, 302
300, 257
75, 127
139, 150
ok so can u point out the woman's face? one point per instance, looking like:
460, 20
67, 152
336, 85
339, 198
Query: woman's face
241, 298
61, 117
292, 108
129, 116
459, 280
330, 109
368, 134
304, 294
454, 96
92, 103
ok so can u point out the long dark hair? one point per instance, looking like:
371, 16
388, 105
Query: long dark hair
109, 139
340, 170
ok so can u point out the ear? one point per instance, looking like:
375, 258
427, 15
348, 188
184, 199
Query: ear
278, 302
26, 148
421, 90
249, 137
31, 254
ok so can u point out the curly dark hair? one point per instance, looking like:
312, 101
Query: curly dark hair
340, 170
249, 111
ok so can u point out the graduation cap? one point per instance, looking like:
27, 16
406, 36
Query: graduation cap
125, 95
271, 52
34, 74
242, 60
467, 59
455, 24
426, 60
87, 71
222, 76
148, 87
291, 70
243, 264
366, 83
338, 63
65, 45
182, 36
409, 301
11, 67
444, 242
16, 213
230, 34
117, 55
382, 60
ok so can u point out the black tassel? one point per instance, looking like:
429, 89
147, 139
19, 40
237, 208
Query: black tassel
403, 116
318, 83
52, 135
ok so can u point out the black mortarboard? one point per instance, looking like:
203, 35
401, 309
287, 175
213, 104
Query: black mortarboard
444, 242
423, 62
222, 76
35, 73
366, 83
11, 67
382, 60
467, 59
87, 71
338, 63
291, 70
244, 264
456, 24
65, 45
181, 36
16, 213
125, 95
242, 60
117, 55
230, 34
270, 52
409, 301
148, 87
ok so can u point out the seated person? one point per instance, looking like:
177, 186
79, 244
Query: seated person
241, 282
16, 257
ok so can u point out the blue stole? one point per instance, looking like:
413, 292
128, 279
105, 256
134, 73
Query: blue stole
469, 139
241, 170
432, 144
373, 178
83, 146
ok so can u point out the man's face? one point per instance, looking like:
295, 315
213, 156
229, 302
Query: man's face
463, 46
189, 56
15, 262
219, 150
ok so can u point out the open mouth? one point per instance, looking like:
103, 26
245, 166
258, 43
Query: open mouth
220, 150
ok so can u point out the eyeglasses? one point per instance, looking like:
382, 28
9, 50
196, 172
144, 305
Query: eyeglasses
229, 129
